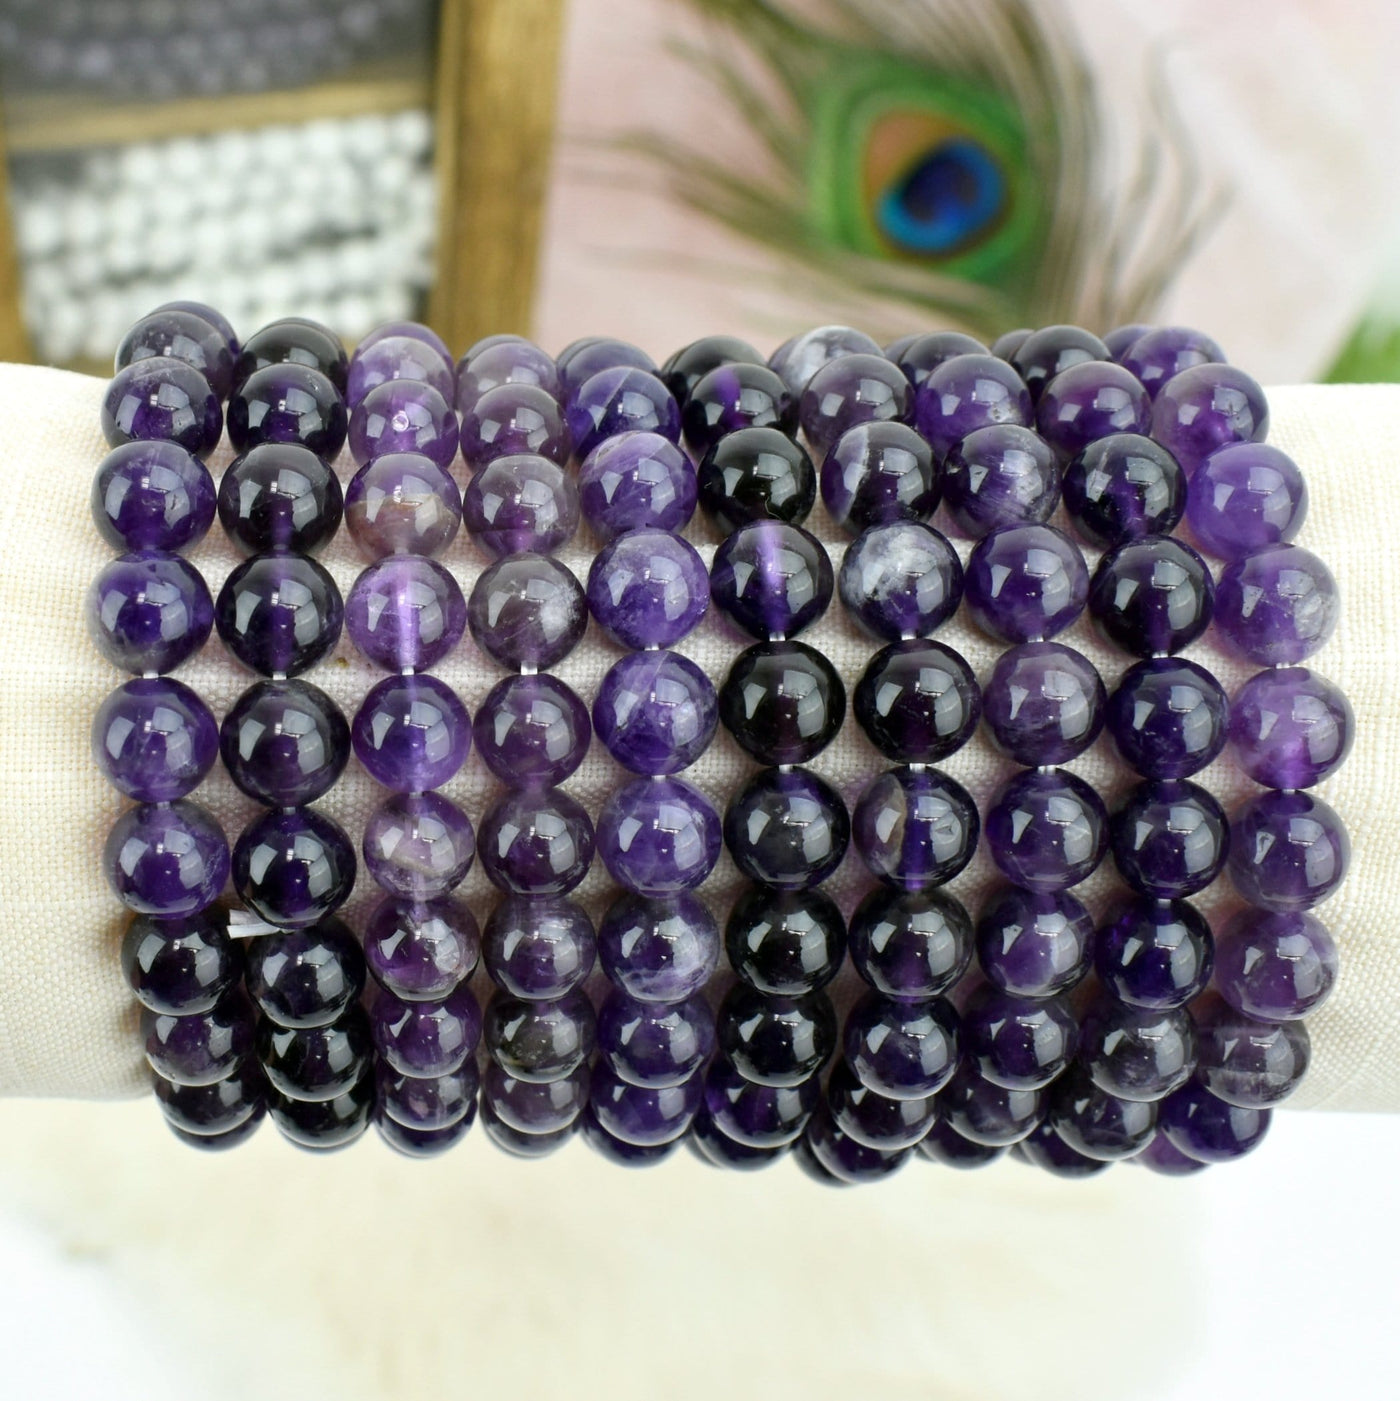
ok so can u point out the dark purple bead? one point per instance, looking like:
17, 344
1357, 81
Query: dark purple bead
1034, 943
323, 1126
775, 1040
513, 419
214, 317
756, 474
1021, 1043
316, 1063
1045, 1149
1159, 1156
915, 827
901, 580
787, 828
1288, 851
1026, 583
535, 842
1205, 1128
1163, 352
202, 1047
851, 390
180, 966
420, 950
920, 355
435, 1103
875, 1120
402, 358
1089, 401
655, 1044
880, 472
1154, 953
758, 1116
418, 845
532, 731
1206, 407
425, 1038
1247, 1062
532, 1106
405, 613
411, 733
641, 1116
636, 481
800, 357
658, 836
772, 579
152, 496
538, 948
620, 400
305, 977
900, 1048
402, 503
1096, 1123
783, 702
658, 950
1119, 341
1009, 342
403, 416
686, 367
715, 1148
785, 943
1046, 353
162, 400
1123, 487
506, 362
581, 360
966, 393
284, 743
230, 1138
1168, 717
845, 1158
1244, 497
655, 712
1047, 829
216, 1108
615, 1151
944, 1145
917, 701
414, 330
1044, 703
986, 1113
1000, 475
912, 944
1277, 606
280, 496
296, 341
518, 504
648, 588
527, 611
154, 739
288, 404
166, 859
1152, 596
1275, 966
735, 396
293, 866
279, 614
1170, 838
1137, 1052
420, 1143
149, 612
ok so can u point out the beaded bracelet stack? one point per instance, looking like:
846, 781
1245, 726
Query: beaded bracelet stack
1145, 1039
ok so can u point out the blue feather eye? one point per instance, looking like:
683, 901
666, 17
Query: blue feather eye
948, 197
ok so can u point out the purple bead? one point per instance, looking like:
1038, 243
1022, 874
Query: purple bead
436, 1103
771, 578
655, 712
621, 400
219, 1108
294, 341
165, 400
305, 977
915, 827
901, 580
901, 1049
787, 828
1152, 596
149, 612
425, 1039
180, 966
506, 362
1137, 1052
1046, 353
1034, 943
288, 403
966, 393
402, 503
535, 842
152, 496
712, 1146
1163, 352
846, 1159
316, 1064
648, 588
1119, 341
735, 396
414, 330
533, 1107
1277, 606
527, 611
1159, 1156
1288, 851
1207, 1129
402, 358
880, 472
756, 474
642, 1116
420, 950
518, 504
169, 860
1044, 703
875, 1120
280, 496
203, 1047
1045, 1149
917, 701
986, 1113
1170, 838
532, 731
1206, 407
910, 944
948, 1148
418, 845
154, 740
1009, 342
513, 419
1275, 966
220, 1142
538, 948
1021, 1043
785, 943
1244, 497
215, 318
636, 481
539, 1040
658, 836
1000, 475
323, 1126
655, 1044
775, 1040
1123, 487
279, 614
1168, 717
798, 359
1026, 583
1290, 727
1089, 401
293, 867
405, 613
1246, 1062
403, 416
658, 950
615, 1151
920, 355
686, 367
284, 743
758, 1116
851, 390
580, 360
1097, 1124
411, 733
1154, 953
1047, 829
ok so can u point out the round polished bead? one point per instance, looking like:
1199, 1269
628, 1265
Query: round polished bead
1168, 717
284, 743
1160, 1157
772, 579
643, 1116
1122, 487
414, 330
1275, 965
405, 613
655, 712
715, 1148
435, 1103
280, 496
988, 1114
901, 580
513, 361
402, 503
401, 358
1087, 402
154, 739
1163, 352
174, 333
180, 966
1119, 341
404, 416
875, 1120
1009, 342
297, 341
1170, 838
917, 701
518, 504
758, 1116
1026, 583
212, 315
686, 367
851, 390
1277, 606
756, 474
1034, 943
162, 400
1046, 353
200, 1048
1206, 407
1047, 829
534, 1107
513, 419
1000, 475
623, 399
648, 588
535, 842
944, 1145
323, 1126
418, 845
636, 481
880, 472
230, 1138
785, 943
1202, 1126
1096, 1123
1246, 1062
1152, 596
420, 1143
787, 828
421, 950
152, 496
166, 859
527, 611
783, 702
614, 1150
279, 614
1045, 1149
799, 358
411, 733
915, 827
305, 977
288, 404
844, 1159
532, 730
538, 948
1288, 851
1155, 953
658, 950
1245, 497
425, 1038
216, 1108
1137, 1052
658, 836
580, 360
1021, 1043
735, 396
776, 1041
1044, 703
316, 1063
293, 866
899, 1048
655, 1044
920, 355
1290, 727
149, 612
966, 393
910, 944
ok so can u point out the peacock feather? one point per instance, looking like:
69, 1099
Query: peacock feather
944, 159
